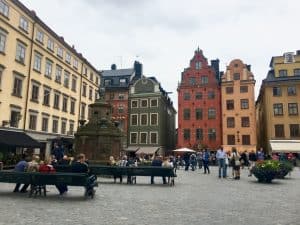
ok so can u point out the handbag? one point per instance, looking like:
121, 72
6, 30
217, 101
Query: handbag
237, 162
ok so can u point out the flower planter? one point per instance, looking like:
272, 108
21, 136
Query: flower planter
284, 168
266, 171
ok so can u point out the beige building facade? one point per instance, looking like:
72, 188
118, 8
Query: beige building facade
45, 84
238, 107
278, 104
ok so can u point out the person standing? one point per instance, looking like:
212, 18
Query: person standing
237, 164
252, 159
206, 157
186, 159
200, 159
260, 155
221, 156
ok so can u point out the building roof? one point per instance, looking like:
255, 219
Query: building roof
119, 72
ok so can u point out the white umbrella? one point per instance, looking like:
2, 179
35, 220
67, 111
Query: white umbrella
184, 150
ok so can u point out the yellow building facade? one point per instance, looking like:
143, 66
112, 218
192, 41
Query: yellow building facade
278, 103
238, 107
45, 84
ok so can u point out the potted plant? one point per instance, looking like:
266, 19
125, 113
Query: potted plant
266, 171
284, 168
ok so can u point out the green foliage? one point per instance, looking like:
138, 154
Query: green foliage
284, 168
266, 171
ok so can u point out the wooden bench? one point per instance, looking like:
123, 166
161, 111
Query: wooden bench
36, 179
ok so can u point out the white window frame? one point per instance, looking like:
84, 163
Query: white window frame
23, 23
144, 114
140, 137
63, 130
137, 104
150, 140
55, 131
20, 52
68, 57
38, 92
48, 68
198, 65
60, 52
3, 36
151, 124
29, 121
74, 84
137, 119
42, 123
4, 8
1, 75
48, 96
156, 102
17, 76
50, 44
37, 64
39, 36
75, 63
58, 73
144, 99
66, 79
137, 137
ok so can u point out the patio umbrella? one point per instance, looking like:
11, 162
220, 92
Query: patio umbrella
184, 150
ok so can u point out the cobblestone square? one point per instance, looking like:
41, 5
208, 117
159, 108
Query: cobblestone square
197, 198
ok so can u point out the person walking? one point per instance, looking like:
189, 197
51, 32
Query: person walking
206, 157
221, 156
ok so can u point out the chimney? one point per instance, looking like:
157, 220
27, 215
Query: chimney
249, 67
113, 67
215, 65
138, 68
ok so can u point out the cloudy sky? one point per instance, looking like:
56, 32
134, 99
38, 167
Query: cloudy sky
163, 34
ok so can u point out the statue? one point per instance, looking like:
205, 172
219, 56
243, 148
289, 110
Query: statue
101, 92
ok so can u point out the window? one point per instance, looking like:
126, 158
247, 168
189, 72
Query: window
199, 114
231, 139
48, 68
121, 109
289, 57
85, 71
294, 130
68, 57
230, 122
229, 90
55, 126
40, 36
293, 108
212, 134
236, 76
35, 93
32, 121
199, 134
17, 89
63, 126
60, 52
37, 62
143, 138
198, 65
133, 138
134, 104
211, 113
107, 82
122, 82
90, 93
153, 137
244, 104
153, 119
65, 104
134, 120
282, 73
46, 97
2, 40
71, 128
276, 91
245, 122
91, 77
243, 89
144, 119
75, 63
186, 96
297, 72
82, 116
72, 107
21, 51
192, 80
84, 89
279, 130
45, 122
121, 96
56, 101
66, 79
58, 73
278, 109
186, 134
246, 139
186, 114
204, 80
230, 104
96, 94
23, 23
74, 83
211, 95
153, 103
199, 95
144, 103
4, 9
50, 44
291, 90
97, 80
1, 72
15, 117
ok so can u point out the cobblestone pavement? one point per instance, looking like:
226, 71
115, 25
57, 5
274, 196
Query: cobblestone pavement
197, 198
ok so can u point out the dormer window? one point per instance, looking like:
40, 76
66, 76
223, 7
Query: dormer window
289, 57
122, 82
282, 73
198, 65
107, 82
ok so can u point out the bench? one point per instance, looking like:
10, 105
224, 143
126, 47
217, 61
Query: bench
37, 180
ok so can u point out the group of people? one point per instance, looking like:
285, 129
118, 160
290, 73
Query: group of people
34, 164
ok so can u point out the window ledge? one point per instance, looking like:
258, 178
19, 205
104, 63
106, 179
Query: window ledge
20, 62
19, 96
36, 70
48, 77
34, 100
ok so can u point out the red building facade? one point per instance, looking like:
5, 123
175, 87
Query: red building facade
199, 104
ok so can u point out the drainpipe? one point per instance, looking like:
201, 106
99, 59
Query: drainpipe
80, 89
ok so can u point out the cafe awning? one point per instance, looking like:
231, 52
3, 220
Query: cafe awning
131, 148
17, 139
147, 150
285, 145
